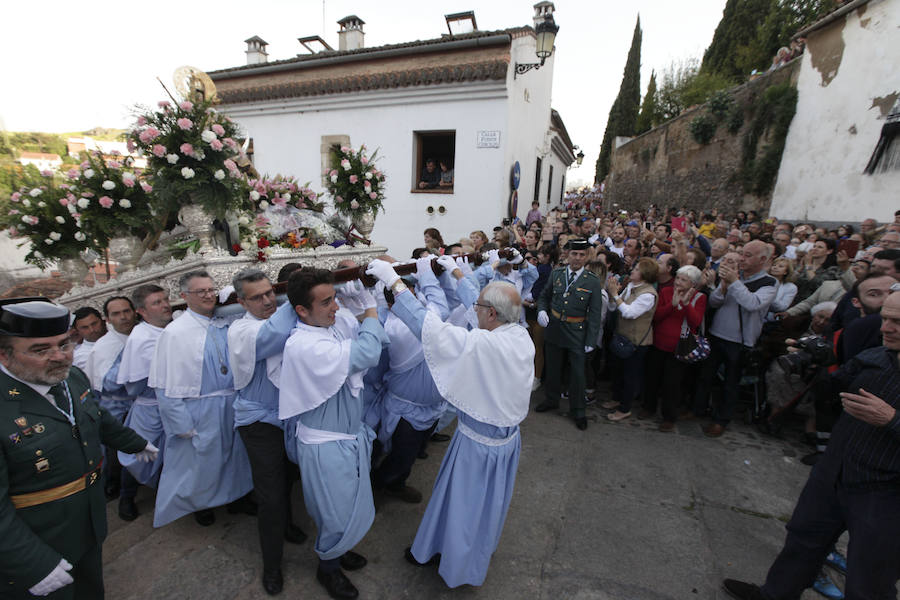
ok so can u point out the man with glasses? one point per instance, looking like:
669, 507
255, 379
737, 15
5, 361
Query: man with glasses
52, 505
205, 464
255, 346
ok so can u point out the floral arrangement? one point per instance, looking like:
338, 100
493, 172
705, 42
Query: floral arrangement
114, 200
193, 156
48, 215
282, 191
259, 238
354, 183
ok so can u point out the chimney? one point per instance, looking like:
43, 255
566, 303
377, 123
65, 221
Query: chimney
256, 50
351, 34
543, 10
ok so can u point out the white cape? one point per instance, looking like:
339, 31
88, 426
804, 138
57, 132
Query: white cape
242, 352
405, 350
316, 364
177, 366
486, 374
138, 353
103, 355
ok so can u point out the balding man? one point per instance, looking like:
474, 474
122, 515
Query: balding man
743, 298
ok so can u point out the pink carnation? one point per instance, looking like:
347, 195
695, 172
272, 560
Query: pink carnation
146, 187
141, 121
187, 149
229, 164
87, 194
364, 160
64, 201
163, 104
148, 135
354, 179
218, 129
105, 201
185, 123
72, 173
230, 143
159, 150
333, 173
128, 182
373, 195
130, 145
114, 164
186, 105
216, 145
15, 197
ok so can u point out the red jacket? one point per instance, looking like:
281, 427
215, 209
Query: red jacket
667, 319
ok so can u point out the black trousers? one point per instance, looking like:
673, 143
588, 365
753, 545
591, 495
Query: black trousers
406, 441
88, 579
663, 370
824, 511
729, 354
628, 378
273, 476
554, 358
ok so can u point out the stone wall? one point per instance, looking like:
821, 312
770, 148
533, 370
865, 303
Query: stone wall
667, 167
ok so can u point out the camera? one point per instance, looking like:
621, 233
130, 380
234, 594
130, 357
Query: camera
813, 350
506, 222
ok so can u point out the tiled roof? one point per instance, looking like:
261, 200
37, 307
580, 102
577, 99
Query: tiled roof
485, 71
40, 156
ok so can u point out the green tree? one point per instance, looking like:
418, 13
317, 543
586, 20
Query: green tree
737, 29
685, 85
649, 116
623, 115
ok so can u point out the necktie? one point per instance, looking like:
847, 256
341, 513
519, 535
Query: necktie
59, 396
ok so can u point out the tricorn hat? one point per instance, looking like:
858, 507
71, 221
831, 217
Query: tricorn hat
33, 317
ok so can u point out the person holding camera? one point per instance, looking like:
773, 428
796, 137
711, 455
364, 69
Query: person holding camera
855, 487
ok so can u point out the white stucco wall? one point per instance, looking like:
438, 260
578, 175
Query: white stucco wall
837, 125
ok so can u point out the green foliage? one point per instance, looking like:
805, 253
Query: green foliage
703, 128
33, 141
719, 103
623, 115
774, 112
649, 116
735, 119
685, 85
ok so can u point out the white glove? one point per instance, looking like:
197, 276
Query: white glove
517, 257
493, 256
383, 272
225, 292
447, 263
188, 435
57, 579
464, 266
423, 266
148, 454
588, 349
543, 319
356, 298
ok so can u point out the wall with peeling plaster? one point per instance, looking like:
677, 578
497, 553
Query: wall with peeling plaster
848, 81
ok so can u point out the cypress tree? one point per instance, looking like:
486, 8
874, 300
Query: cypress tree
736, 31
649, 116
623, 115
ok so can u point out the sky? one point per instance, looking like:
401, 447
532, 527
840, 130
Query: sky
83, 65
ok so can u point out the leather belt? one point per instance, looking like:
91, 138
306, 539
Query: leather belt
559, 316
56, 493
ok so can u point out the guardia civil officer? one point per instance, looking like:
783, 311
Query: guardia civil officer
52, 504
570, 307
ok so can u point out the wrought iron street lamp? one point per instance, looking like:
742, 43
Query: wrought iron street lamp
546, 36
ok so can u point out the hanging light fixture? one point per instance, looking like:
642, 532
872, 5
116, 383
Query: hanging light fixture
546, 37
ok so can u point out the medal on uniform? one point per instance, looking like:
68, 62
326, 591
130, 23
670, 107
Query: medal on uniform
27, 432
22, 422
38, 428
15, 438
42, 465
14, 392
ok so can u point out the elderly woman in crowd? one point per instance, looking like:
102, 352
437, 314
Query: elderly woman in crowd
818, 266
680, 307
635, 306
783, 272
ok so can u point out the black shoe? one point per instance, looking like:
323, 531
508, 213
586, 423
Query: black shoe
405, 493
412, 559
581, 423
545, 406
422, 454
243, 505
742, 590
127, 509
272, 581
294, 534
351, 561
440, 437
811, 459
337, 584
205, 517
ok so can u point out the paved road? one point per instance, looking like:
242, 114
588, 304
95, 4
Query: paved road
618, 512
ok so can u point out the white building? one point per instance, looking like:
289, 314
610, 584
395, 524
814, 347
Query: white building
841, 160
42, 160
456, 98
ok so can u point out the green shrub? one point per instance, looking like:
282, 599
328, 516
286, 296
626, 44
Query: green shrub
703, 128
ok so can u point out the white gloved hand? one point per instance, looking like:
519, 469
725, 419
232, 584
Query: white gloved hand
543, 320
354, 296
188, 435
423, 266
493, 256
225, 292
148, 454
57, 579
588, 349
447, 263
383, 272
517, 257
464, 266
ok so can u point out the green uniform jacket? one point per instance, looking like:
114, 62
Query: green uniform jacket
584, 299
34, 539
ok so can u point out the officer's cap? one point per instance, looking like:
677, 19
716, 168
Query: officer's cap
33, 317
577, 245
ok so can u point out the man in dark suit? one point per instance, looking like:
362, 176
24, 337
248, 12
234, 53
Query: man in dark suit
52, 504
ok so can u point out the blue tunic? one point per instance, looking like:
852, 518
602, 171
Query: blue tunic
211, 468
114, 397
336, 486
144, 419
472, 492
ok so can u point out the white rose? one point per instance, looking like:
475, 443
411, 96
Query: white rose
246, 245
60, 220
264, 205
26, 203
88, 173
55, 236
220, 174
25, 219
125, 203
108, 185
187, 172
72, 209
334, 179
42, 204
48, 241
38, 254
368, 175
243, 221
35, 192
254, 195
207, 136
172, 158
354, 204
83, 203
80, 236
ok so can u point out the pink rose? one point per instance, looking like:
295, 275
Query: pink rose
64, 201
354, 179
114, 164
15, 197
130, 145
373, 195
187, 149
72, 174
163, 104
128, 182
187, 105
87, 194
146, 187
345, 149
333, 173
218, 129
185, 123
105, 201
148, 135
230, 143
364, 160
142, 121
216, 145
229, 164
159, 150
